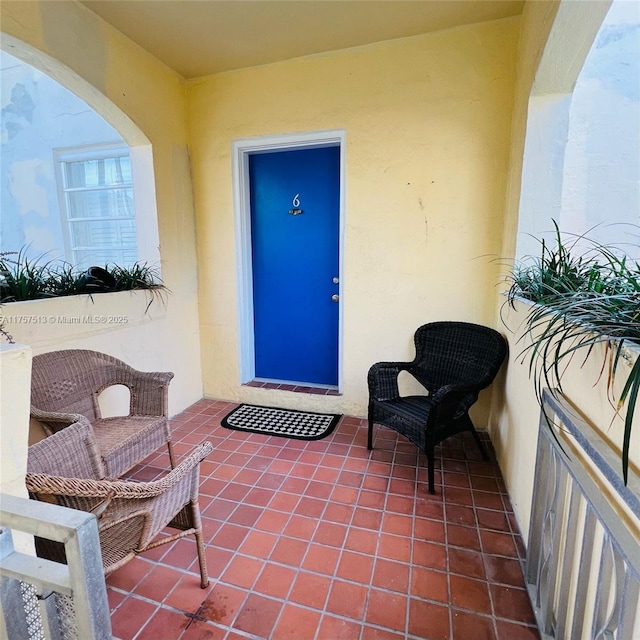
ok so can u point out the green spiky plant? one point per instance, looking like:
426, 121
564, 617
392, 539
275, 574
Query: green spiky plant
22, 278
582, 299
65, 280
138, 276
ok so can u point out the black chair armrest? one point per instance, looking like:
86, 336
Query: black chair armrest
383, 380
452, 399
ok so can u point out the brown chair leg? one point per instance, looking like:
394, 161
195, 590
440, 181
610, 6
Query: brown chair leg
172, 460
202, 559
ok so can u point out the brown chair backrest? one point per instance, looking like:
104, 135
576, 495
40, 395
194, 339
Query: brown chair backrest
71, 453
70, 380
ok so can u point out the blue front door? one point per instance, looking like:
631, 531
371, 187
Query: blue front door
295, 211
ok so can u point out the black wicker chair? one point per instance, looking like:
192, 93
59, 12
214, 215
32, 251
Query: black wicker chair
454, 362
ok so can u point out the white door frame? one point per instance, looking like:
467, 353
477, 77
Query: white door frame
241, 150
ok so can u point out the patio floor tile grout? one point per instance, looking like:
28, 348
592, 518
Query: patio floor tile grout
359, 525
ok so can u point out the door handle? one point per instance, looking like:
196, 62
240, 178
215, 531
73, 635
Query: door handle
335, 297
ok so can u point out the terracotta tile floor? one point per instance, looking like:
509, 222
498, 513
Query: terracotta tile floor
325, 540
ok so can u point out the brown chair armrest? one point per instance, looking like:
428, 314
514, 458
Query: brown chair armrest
53, 422
42, 483
149, 391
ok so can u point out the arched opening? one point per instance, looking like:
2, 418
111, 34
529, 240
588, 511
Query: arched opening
77, 174
582, 151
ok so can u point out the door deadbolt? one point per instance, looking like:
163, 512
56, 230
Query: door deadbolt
335, 297
336, 280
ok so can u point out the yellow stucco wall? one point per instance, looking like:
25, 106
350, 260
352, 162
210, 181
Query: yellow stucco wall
145, 101
514, 426
536, 22
427, 122
515, 414
15, 374
435, 128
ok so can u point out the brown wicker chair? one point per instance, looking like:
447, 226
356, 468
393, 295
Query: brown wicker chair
454, 362
66, 384
66, 468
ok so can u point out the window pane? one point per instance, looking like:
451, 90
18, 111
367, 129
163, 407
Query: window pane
98, 173
85, 258
120, 234
101, 204
128, 258
100, 210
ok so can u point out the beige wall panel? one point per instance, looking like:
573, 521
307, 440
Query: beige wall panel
145, 101
427, 123
515, 412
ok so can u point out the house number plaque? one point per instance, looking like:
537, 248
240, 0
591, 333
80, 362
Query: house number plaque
296, 211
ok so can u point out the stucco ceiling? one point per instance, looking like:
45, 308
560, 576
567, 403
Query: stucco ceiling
200, 37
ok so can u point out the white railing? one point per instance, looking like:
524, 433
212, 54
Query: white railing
44, 600
583, 557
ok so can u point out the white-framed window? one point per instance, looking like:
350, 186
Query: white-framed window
95, 186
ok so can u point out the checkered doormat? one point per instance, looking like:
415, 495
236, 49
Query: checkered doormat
288, 423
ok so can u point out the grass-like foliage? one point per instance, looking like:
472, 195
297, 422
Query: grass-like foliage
586, 294
24, 279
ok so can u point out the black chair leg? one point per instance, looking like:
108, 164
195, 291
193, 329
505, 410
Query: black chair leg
370, 434
431, 469
476, 437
